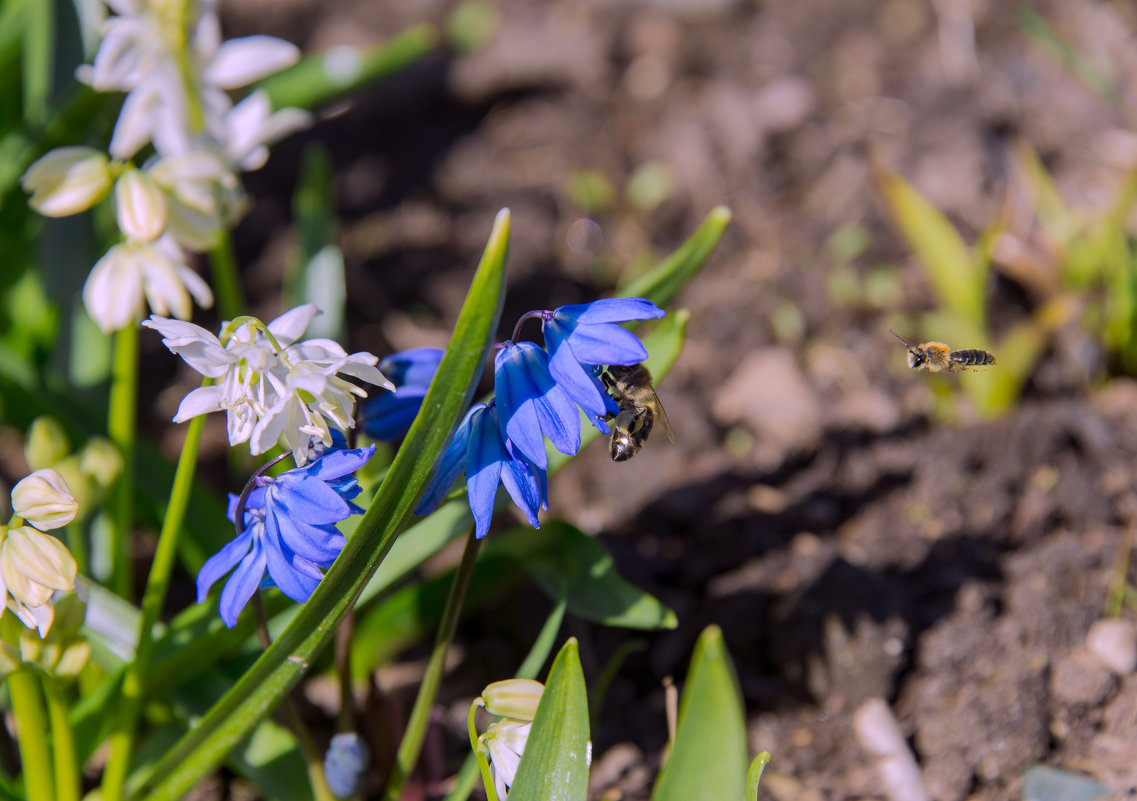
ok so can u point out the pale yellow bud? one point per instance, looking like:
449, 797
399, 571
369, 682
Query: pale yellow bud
44, 500
101, 461
513, 698
67, 180
139, 206
46, 443
9, 658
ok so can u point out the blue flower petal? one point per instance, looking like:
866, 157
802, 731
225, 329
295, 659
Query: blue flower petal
413, 367
295, 576
317, 543
451, 464
523, 488
222, 562
532, 404
609, 310
579, 383
606, 344
388, 416
484, 455
241, 585
307, 499
337, 464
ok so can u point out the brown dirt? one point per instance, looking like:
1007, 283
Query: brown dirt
850, 545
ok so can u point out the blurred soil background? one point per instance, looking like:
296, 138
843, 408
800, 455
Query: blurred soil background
851, 543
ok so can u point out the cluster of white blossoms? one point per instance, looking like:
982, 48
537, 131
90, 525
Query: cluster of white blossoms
271, 387
167, 55
34, 565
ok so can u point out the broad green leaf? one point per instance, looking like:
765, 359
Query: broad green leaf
708, 760
563, 559
283, 664
938, 247
320, 78
665, 280
555, 764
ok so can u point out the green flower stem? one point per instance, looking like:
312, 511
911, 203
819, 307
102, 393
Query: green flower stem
226, 282
134, 680
411, 745
68, 782
35, 753
480, 752
122, 427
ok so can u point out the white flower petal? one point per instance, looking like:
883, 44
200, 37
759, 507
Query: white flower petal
202, 400
288, 327
113, 291
67, 180
44, 500
139, 206
240, 62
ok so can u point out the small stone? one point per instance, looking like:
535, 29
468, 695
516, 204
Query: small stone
1080, 678
1114, 643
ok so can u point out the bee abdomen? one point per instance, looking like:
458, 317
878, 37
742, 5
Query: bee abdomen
972, 357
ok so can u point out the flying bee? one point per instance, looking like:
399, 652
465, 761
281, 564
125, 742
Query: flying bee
630, 386
936, 357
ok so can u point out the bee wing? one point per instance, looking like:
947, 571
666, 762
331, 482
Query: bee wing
663, 417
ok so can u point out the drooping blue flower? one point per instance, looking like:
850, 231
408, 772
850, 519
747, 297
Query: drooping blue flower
480, 451
532, 404
289, 530
388, 415
345, 764
582, 336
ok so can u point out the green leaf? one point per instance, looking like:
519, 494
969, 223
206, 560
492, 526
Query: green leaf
282, 665
555, 764
754, 775
939, 248
708, 759
562, 559
321, 78
665, 280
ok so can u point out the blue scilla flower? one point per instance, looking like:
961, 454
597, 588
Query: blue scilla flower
289, 529
388, 415
532, 404
345, 764
479, 449
582, 336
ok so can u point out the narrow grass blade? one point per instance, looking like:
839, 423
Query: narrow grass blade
665, 280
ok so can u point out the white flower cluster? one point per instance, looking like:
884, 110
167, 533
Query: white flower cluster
34, 565
272, 387
167, 55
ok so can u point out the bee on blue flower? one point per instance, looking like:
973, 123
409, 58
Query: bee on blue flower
537, 393
287, 528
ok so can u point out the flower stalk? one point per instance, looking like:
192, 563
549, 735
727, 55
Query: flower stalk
68, 782
122, 430
154, 596
35, 753
411, 745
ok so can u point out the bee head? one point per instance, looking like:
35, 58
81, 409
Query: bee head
916, 356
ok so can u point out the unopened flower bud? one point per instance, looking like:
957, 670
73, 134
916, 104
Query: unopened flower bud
139, 206
33, 565
100, 461
46, 443
67, 180
513, 698
43, 499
